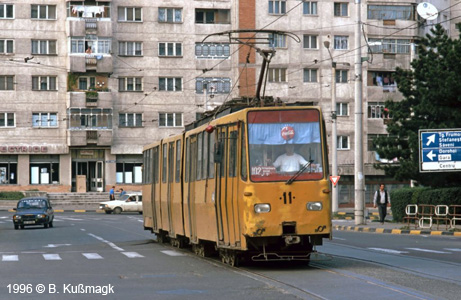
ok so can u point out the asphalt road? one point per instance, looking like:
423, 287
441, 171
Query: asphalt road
88, 255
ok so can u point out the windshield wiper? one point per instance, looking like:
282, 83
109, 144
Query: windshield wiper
290, 181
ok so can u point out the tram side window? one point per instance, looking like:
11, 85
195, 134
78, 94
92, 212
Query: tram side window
178, 161
211, 156
244, 172
199, 155
155, 164
223, 140
147, 161
187, 170
233, 153
164, 162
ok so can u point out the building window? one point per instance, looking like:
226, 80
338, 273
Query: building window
43, 47
169, 49
44, 169
212, 16
341, 42
277, 40
169, 15
310, 7
212, 85
342, 109
277, 7
343, 142
130, 120
309, 41
277, 75
310, 75
44, 83
128, 172
382, 79
8, 169
341, 76
170, 119
130, 48
170, 84
212, 51
391, 12
6, 83
44, 120
97, 45
6, 11
6, 46
86, 83
396, 46
130, 84
377, 110
129, 14
89, 118
43, 12
341, 9
7, 120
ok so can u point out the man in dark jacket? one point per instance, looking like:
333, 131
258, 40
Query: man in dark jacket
381, 199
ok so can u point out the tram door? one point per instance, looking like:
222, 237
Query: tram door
191, 171
227, 179
170, 186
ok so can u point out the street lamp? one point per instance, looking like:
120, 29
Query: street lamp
334, 134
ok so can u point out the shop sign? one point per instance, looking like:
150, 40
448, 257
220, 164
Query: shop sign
23, 149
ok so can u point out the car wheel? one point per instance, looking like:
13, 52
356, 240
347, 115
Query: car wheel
117, 210
108, 212
16, 227
45, 225
140, 212
22, 226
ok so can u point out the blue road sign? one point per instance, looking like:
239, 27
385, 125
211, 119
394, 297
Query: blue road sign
440, 150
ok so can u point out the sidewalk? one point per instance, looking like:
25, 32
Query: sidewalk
345, 221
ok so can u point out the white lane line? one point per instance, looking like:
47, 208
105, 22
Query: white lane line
173, 253
388, 250
107, 242
92, 255
453, 249
132, 254
339, 239
427, 250
52, 257
10, 258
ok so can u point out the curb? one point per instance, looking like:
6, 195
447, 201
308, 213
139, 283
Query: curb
395, 231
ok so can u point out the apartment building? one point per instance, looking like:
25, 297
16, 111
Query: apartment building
84, 85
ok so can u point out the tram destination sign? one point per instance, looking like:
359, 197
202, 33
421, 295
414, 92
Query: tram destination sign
439, 150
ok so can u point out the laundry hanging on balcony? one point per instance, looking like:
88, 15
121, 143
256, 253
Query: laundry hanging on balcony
88, 11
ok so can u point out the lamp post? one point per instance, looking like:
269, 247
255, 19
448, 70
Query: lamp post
334, 135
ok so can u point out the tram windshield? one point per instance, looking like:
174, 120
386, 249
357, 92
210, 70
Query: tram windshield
282, 142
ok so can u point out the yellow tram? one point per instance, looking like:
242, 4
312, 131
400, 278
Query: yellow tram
231, 185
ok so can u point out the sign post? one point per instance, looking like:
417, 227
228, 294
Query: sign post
440, 150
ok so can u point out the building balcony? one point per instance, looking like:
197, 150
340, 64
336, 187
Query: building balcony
91, 62
89, 137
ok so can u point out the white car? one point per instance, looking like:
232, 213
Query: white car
130, 202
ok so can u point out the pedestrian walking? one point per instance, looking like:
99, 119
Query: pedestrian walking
381, 199
112, 193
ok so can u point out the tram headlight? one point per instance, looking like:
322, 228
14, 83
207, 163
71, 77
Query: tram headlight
314, 206
262, 208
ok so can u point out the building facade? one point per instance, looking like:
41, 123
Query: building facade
84, 85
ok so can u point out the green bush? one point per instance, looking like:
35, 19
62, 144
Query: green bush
402, 197
11, 195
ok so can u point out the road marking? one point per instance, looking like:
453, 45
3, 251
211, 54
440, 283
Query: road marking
107, 242
52, 257
339, 239
132, 254
56, 245
92, 255
388, 250
453, 249
173, 253
10, 258
427, 250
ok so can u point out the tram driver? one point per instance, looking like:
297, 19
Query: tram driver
289, 161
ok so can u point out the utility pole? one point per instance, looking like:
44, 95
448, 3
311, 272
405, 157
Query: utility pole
359, 178
334, 135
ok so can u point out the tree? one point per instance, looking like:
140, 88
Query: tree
432, 100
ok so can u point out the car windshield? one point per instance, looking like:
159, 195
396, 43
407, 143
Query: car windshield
32, 203
282, 142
